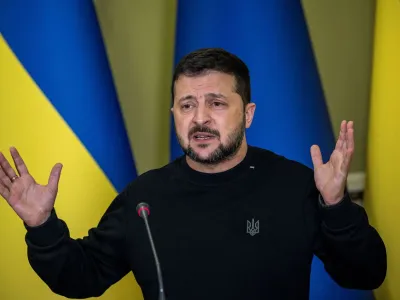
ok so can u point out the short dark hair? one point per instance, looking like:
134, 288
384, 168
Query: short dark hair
204, 60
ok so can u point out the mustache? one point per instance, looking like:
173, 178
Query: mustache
199, 128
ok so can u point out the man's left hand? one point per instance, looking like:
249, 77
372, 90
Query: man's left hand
330, 178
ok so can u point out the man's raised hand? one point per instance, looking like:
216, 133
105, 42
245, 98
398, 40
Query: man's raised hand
331, 177
31, 201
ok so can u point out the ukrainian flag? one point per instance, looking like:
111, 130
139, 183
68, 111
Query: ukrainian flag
382, 200
291, 115
58, 104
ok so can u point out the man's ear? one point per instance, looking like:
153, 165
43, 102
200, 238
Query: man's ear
249, 113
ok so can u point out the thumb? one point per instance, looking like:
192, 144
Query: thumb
54, 177
316, 156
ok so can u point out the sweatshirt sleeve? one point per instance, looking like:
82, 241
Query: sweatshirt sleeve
85, 267
351, 250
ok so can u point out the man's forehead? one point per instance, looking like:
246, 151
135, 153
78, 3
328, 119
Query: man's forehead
206, 76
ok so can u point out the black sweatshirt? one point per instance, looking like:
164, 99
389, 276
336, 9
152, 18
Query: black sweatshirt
247, 233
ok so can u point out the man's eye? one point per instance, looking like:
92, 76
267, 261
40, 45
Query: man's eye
186, 106
218, 104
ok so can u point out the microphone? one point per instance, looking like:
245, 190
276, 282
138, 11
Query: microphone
144, 211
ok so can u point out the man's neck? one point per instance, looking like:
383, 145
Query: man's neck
220, 167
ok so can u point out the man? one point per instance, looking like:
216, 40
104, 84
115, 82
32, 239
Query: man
229, 220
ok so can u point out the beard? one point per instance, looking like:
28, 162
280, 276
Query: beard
223, 152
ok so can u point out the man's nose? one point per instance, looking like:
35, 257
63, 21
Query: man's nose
202, 115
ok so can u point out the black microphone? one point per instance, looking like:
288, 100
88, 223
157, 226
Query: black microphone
144, 211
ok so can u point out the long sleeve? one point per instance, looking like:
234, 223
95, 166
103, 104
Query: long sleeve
352, 251
80, 268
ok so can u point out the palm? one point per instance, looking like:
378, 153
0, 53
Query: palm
27, 197
330, 178
32, 202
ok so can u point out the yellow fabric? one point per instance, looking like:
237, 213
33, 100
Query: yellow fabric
382, 199
29, 122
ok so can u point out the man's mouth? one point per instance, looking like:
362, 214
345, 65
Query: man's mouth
200, 136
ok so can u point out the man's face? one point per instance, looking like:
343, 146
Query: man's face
209, 117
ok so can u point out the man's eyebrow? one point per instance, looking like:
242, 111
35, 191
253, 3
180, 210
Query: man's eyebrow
188, 97
216, 95
208, 95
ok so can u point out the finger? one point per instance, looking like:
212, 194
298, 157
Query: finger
4, 179
342, 136
350, 136
344, 146
350, 144
4, 191
316, 156
54, 177
8, 170
18, 161
345, 142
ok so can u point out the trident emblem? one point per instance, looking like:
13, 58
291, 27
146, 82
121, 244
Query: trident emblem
253, 227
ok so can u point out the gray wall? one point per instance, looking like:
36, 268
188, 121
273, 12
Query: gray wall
342, 36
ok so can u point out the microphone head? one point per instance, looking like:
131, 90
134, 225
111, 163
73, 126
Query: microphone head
143, 209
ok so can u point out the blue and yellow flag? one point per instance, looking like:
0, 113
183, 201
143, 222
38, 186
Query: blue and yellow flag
58, 104
291, 115
383, 165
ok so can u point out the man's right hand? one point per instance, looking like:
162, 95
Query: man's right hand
32, 202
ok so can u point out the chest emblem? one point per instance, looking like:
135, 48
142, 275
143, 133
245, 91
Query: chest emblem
253, 227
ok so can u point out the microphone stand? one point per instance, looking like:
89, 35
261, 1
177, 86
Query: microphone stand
161, 295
